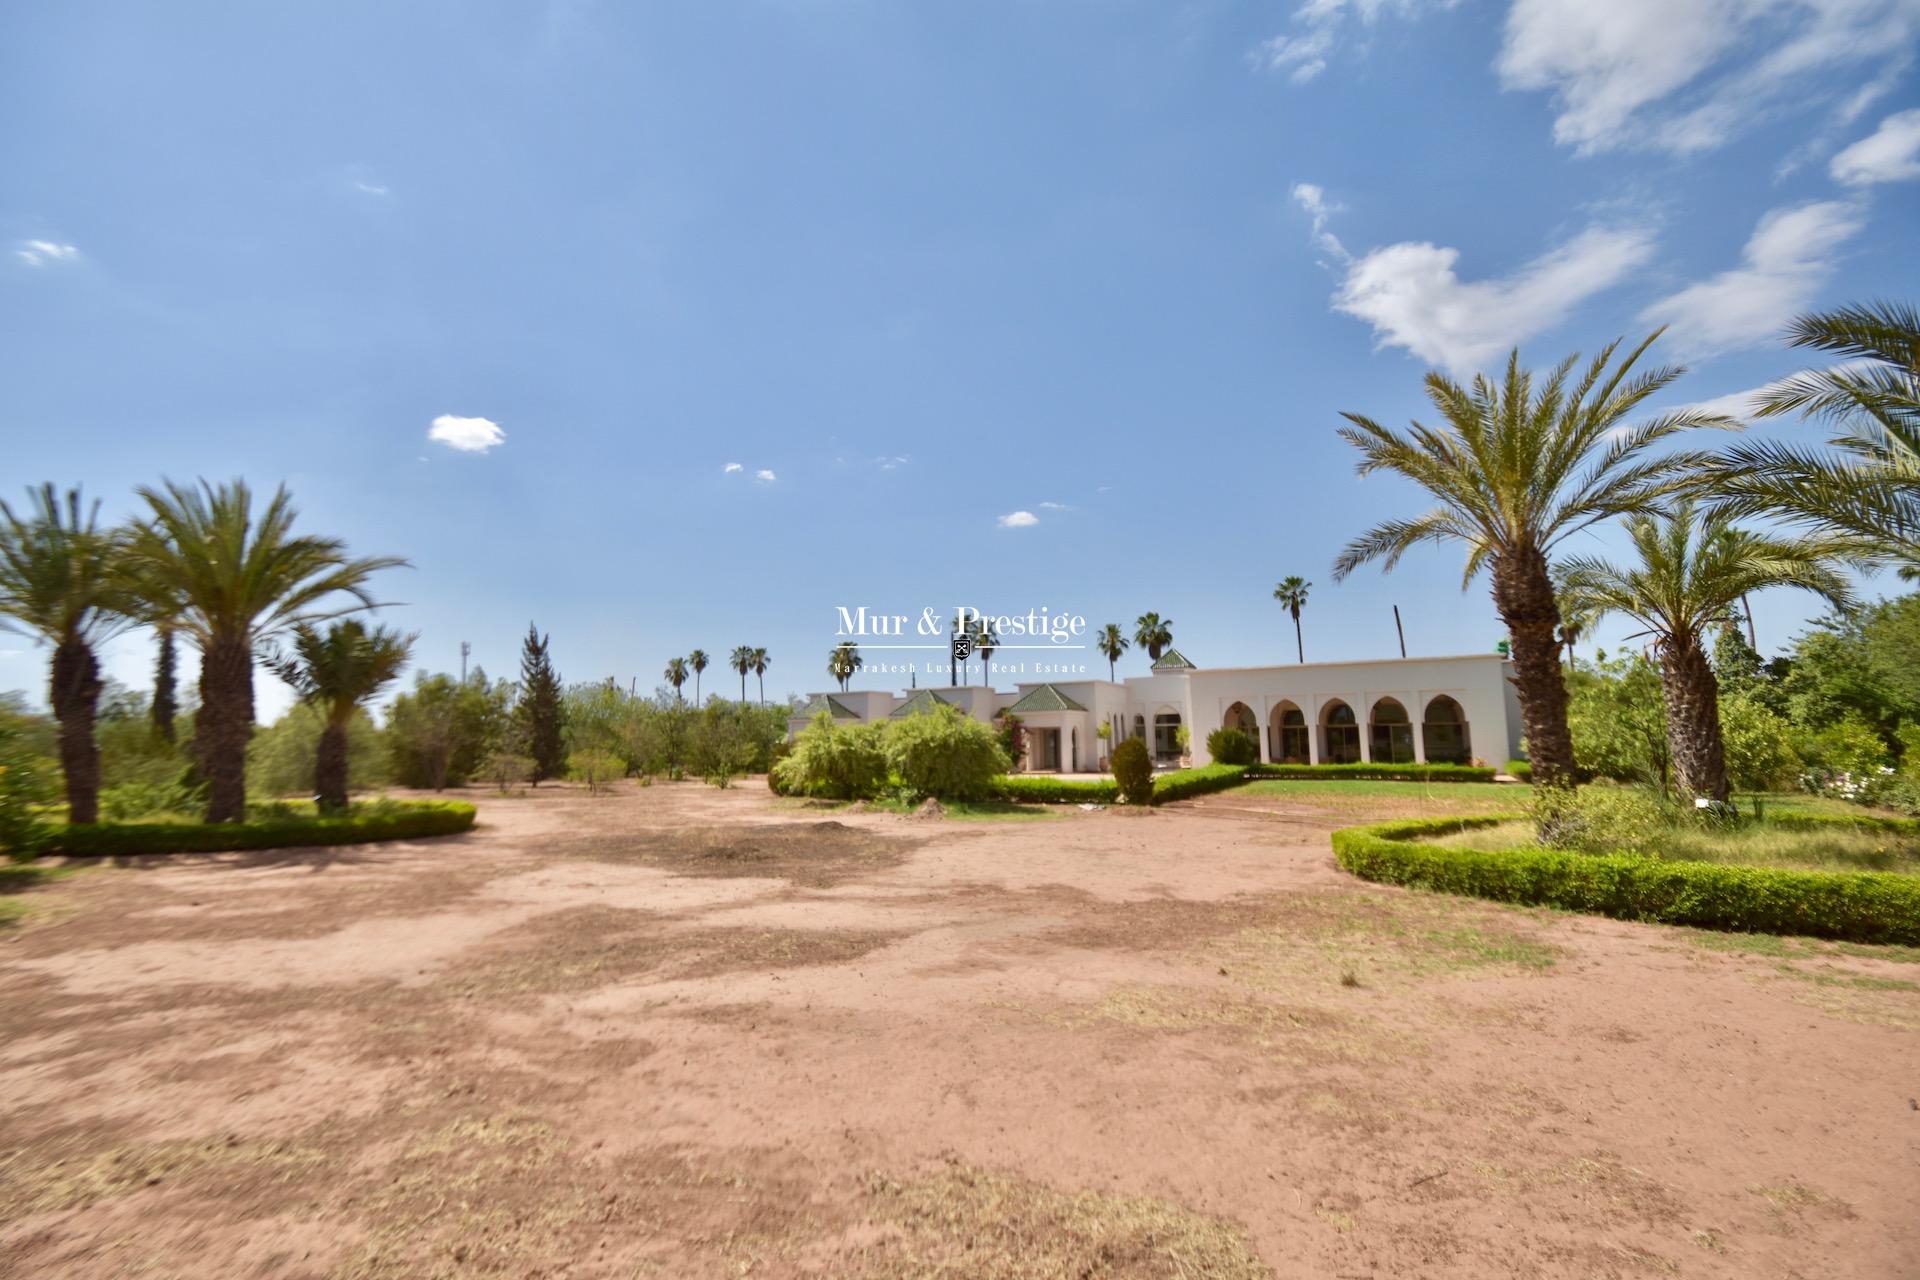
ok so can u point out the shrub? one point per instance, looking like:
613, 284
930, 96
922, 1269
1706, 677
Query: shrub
945, 754
364, 823
1012, 736
838, 762
1133, 771
1600, 819
1197, 782
1380, 772
506, 769
598, 769
1855, 906
23, 787
131, 801
1519, 769
1232, 746
1042, 789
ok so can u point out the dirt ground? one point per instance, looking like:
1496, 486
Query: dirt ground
679, 1031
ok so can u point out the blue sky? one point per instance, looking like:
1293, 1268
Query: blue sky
913, 269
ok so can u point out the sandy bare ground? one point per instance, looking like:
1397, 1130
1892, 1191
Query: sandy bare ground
687, 1032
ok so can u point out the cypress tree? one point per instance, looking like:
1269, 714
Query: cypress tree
539, 709
166, 702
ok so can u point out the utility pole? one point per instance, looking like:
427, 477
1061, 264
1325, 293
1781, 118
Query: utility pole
1401, 630
465, 649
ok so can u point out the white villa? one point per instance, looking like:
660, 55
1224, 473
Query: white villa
1451, 710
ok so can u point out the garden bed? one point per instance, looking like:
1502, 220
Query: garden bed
1855, 906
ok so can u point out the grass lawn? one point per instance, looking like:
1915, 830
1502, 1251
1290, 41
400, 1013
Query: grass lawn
1371, 799
1754, 845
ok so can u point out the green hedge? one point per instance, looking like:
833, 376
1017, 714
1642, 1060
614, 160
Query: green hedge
1375, 772
1855, 906
1033, 788
408, 821
1802, 821
1197, 782
1519, 769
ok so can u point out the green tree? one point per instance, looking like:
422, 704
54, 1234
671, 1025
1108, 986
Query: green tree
676, 674
1292, 594
336, 672
698, 661
944, 753
741, 660
1866, 484
1517, 466
240, 578
1111, 643
60, 582
1618, 721
542, 725
439, 733
1691, 571
839, 762
166, 684
1153, 634
843, 660
282, 757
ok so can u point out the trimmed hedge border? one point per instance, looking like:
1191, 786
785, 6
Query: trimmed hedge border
1852, 906
1028, 788
1375, 772
1185, 783
127, 839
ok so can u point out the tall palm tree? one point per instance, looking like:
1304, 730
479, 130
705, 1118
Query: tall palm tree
676, 674
1111, 643
842, 661
741, 660
760, 664
1518, 465
1866, 484
335, 672
698, 661
1153, 635
241, 578
1292, 593
985, 641
60, 580
1691, 573
1573, 624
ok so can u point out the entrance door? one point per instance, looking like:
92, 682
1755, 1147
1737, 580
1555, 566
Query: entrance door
1046, 750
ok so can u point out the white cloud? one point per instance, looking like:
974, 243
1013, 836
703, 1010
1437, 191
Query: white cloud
1055, 506
369, 188
38, 253
765, 477
1018, 520
1784, 263
468, 435
1686, 77
1320, 26
1743, 406
1413, 297
1313, 199
731, 468
1890, 153
891, 463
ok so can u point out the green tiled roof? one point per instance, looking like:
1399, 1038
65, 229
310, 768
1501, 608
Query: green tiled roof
1045, 698
826, 702
1173, 659
925, 700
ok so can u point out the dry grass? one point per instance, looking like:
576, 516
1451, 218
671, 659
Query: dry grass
813, 854
966, 1222
1817, 849
70, 1175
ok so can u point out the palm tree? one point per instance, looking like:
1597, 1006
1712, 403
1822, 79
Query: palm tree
741, 660
1153, 635
984, 643
335, 672
1518, 465
760, 664
1292, 593
842, 661
241, 578
1573, 625
1692, 571
676, 674
1867, 484
1111, 643
698, 661
60, 580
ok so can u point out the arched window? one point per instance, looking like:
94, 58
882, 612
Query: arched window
1290, 741
1166, 735
1340, 734
1240, 716
1444, 733
1140, 727
1392, 738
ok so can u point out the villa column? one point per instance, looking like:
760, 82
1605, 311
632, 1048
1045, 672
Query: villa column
1263, 732
1419, 727
1314, 730
1364, 714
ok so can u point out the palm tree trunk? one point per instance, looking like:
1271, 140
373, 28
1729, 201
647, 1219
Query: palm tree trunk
1692, 696
330, 768
761, 681
225, 725
75, 695
163, 707
1523, 594
743, 687
1299, 641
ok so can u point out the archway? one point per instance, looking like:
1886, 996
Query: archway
1166, 735
1444, 733
1240, 716
1290, 743
1391, 740
1339, 734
